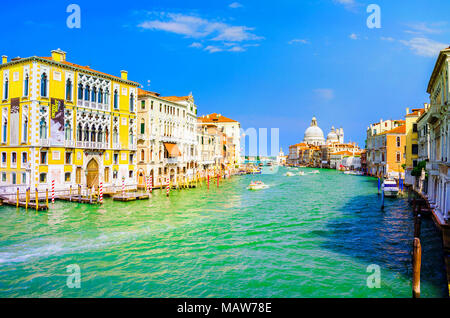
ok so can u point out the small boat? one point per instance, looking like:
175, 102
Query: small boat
255, 171
288, 174
315, 171
390, 188
301, 173
258, 185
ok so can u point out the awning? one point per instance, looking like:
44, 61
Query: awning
172, 149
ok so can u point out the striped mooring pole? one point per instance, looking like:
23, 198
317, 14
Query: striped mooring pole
167, 187
208, 179
150, 184
100, 193
123, 186
53, 191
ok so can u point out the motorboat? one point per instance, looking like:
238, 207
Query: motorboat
315, 171
301, 173
255, 171
390, 188
288, 174
257, 185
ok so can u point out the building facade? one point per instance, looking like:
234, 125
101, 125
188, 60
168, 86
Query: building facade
65, 122
438, 128
166, 137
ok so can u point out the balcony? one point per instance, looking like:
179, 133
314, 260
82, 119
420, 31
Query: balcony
172, 161
44, 142
69, 143
117, 145
91, 145
26, 165
141, 136
92, 105
132, 146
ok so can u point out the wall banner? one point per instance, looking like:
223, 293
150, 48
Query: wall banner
57, 122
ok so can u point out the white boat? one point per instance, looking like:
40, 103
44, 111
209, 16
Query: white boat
288, 174
390, 188
301, 173
315, 171
258, 185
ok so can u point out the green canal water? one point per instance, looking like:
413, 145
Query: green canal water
305, 236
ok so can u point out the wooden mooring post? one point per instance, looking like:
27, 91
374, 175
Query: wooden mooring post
417, 260
46, 197
17, 197
37, 199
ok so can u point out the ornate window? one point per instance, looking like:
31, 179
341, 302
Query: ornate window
26, 82
87, 92
4, 128
69, 89
80, 91
43, 129
5, 88
68, 130
44, 85
116, 99
131, 102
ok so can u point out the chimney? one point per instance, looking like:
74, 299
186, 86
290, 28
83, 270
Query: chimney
407, 110
4, 59
124, 75
58, 55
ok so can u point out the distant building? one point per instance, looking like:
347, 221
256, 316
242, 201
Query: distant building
313, 134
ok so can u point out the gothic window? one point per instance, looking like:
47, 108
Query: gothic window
86, 93
25, 85
43, 129
5, 88
25, 129
44, 85
131, 102
68, 89
80, 91
116, 99
68, 130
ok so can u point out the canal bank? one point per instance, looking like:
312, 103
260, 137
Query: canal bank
305, 236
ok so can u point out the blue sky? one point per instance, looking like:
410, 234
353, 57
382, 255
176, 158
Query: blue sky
266, 64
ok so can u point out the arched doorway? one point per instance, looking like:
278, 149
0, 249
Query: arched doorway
141, 180
92, 174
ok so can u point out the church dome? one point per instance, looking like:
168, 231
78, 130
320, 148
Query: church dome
332, 136
313, 134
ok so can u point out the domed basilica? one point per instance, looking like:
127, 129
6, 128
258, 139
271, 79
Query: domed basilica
314, 135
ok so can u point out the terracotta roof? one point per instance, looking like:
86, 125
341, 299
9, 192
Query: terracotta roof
345, 153
396, 130
87, 68
142, 92
176, 98
215, 118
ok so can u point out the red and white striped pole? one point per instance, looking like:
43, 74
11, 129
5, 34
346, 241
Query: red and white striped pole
168, 187
100, 192
123, 186
208, 178
150, 184
53, 191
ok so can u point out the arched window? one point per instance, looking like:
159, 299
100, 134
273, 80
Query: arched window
4, 129
142, 155
93, 134
100, 135
116, 99
131, 137
80, 91
94, 94
131, 102
44, 84
68, 130
25, 85
43, 129
115, 136
80, 133
106, 96
100, 96
25, 129
86, 133
68, 89
87, 91
5, 88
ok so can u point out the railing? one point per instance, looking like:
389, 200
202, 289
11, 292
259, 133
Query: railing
117, 145
132, 147
44, 142
92, 144
172, 161
69, 143
141, 136
93, 105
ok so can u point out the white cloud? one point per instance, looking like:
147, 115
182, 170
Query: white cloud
326, 94
236, 49
199, 28
353, 36
213, 49
347, 4
196, 45
424, 46
424, 28
235, 5
302, 41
